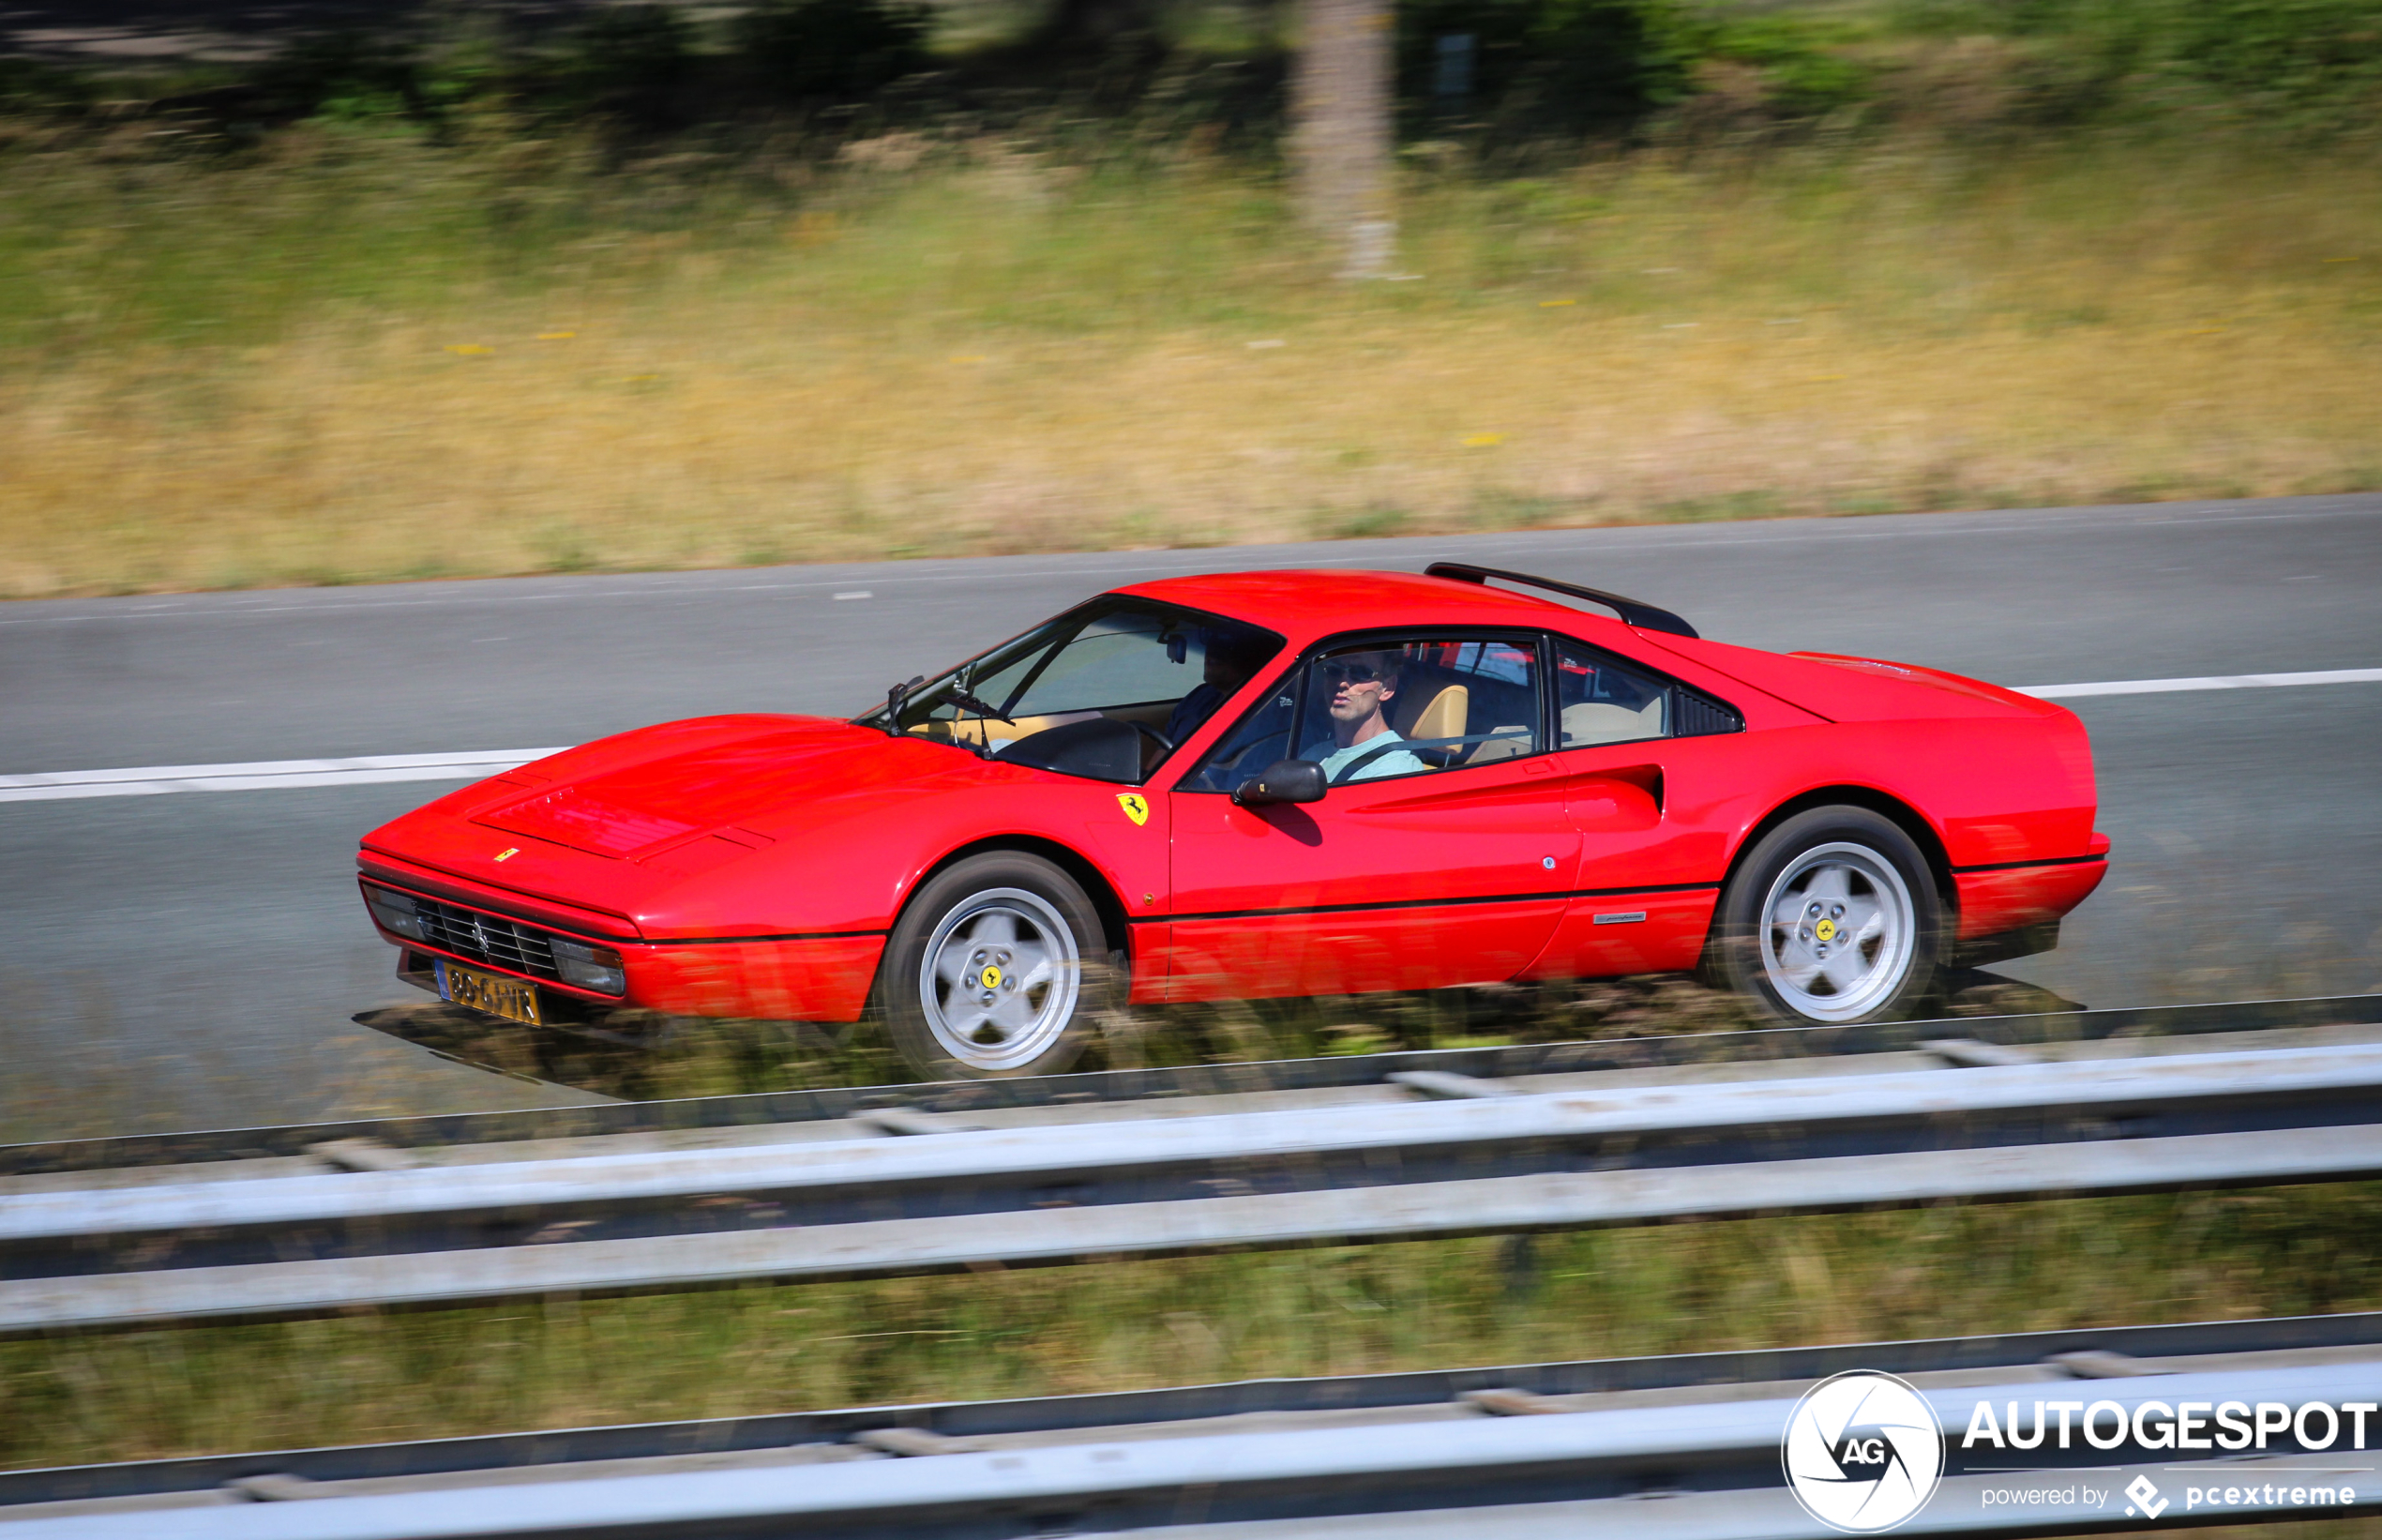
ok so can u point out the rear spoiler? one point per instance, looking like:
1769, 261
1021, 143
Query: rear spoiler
1646, 617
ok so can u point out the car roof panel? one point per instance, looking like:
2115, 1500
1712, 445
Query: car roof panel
1318, 601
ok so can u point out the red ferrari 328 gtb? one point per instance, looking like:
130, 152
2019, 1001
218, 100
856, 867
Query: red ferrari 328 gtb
1265, 783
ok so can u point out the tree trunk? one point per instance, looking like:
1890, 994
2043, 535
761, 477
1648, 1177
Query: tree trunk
1341, 139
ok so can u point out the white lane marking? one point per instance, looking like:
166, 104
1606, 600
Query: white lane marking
473, 764
265, 775
2237, 681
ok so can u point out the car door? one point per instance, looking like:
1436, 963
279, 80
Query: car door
1643, 761
1440, 855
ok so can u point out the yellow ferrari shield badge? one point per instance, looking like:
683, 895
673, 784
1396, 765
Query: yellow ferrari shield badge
1825, 930
1135, 806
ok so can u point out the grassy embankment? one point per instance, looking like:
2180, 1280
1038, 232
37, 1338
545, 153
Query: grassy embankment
1122, 1324
353, 355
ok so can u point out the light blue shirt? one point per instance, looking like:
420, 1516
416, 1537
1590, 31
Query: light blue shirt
1396, 761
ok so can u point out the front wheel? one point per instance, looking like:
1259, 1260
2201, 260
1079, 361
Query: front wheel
996, 968
1832, 918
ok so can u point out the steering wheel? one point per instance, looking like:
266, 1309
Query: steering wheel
1165, 744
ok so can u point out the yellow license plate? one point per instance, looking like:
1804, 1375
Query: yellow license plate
506, 997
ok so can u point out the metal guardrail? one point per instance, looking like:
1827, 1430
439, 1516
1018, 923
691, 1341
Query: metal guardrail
1123, 1085
1628, 1448
645, 1218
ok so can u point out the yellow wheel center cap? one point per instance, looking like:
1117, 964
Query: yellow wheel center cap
992, 979
1825, 930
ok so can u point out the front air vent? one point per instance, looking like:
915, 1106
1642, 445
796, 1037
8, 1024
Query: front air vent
1700, 717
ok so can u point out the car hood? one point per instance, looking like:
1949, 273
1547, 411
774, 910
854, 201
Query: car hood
644, 793
719, 826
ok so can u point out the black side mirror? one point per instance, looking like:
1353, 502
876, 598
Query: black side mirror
1284, 781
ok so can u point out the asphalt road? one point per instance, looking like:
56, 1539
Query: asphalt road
194, 960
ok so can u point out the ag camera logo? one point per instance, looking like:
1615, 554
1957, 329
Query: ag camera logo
1863, 1452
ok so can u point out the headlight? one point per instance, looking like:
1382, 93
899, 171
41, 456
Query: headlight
394, 911
590, 967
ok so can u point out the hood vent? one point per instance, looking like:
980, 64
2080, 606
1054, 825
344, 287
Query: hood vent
571, 817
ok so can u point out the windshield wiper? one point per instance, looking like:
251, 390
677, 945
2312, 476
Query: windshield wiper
895, 699
961, 698
898, 700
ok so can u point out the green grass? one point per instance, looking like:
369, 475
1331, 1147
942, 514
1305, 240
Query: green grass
1125, 1325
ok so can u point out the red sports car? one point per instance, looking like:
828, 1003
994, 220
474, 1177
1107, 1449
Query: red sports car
1266, 783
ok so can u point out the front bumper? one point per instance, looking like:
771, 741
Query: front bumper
780, 978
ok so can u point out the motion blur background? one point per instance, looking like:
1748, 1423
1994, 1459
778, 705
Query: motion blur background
309, 294
335, 294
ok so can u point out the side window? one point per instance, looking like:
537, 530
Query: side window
1599, 700
1391, 706
1260, 738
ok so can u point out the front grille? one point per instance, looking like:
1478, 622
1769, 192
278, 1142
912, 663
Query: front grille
486, 938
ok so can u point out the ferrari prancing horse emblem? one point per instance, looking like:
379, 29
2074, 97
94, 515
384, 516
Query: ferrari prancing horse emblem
1135, 806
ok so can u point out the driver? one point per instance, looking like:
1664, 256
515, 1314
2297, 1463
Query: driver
1362, 744
1227, 662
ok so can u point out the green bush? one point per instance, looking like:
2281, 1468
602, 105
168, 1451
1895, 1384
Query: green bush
2291, 58
2312, 51
30, 86
1803, 78
627, 56
344, 75
832, 49
1550, 65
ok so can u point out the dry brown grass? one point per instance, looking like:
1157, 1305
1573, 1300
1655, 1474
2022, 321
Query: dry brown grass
989, 353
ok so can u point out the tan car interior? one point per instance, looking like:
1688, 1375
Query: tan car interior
980, 730
998, 733
1431, 705
1600, 721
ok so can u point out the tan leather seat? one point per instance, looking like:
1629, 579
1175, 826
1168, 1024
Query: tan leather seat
1425, 707
1600, 721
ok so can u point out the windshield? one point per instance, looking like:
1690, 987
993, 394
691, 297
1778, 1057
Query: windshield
1108, 689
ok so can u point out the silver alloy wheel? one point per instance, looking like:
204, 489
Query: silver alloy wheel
1000, 979
1838, 932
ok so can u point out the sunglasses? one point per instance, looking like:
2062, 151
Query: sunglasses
1349, 674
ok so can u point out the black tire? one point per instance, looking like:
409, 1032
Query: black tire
1776, 943
1003, 1029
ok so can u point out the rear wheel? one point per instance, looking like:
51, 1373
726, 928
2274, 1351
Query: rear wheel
1833, 917
996, 968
